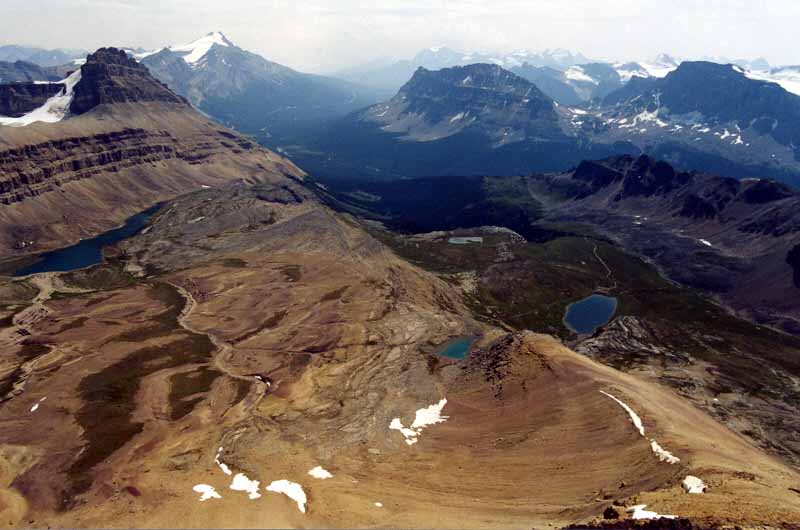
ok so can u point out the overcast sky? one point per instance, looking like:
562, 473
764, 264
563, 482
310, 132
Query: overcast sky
324, 35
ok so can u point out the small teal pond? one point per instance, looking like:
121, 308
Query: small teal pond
89, 251
456, 348
586, 315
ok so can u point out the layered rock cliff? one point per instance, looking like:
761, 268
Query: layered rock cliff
110, 76
126, 144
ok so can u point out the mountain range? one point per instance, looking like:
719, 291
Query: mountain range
389, 77
40, 56
273, 103
354, 346
477, 119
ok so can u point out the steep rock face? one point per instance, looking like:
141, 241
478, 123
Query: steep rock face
127, 143
40, 168
110, 76
18, 99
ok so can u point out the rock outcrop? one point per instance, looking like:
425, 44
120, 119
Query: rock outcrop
110, 76
17, 99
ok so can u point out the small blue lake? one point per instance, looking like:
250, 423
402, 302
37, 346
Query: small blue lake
89, 251
586, 315
456, 348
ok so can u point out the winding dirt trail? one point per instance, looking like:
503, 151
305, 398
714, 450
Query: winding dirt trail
259, 388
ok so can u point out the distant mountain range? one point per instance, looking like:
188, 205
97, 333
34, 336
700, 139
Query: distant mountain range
269, 101
482, 119
476, 119
704, 116
390, 77
40, 56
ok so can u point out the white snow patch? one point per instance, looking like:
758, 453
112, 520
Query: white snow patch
292, 490
637, 421
35, 407
430, 415
788, 78
242, 483
222, 465
208, 492
576, 73
662, 454
457, 117
194, 51
320, 473
54, 109
694, 485
706, 242
639, 512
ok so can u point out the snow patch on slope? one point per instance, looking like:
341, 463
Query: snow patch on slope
207, 492
662, 454
54, 109
242, 483
292, 490
424, 417
639, 512
320, 473
694, 485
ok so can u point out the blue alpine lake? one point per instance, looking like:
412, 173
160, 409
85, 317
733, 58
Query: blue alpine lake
89, 251
456, 348
586, 315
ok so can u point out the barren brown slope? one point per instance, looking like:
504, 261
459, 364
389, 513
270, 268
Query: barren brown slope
128, 144
151, 385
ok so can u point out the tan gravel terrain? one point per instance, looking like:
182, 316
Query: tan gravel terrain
272, 336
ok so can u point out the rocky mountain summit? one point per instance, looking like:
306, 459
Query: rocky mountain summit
272, 102
110, 76
122, 142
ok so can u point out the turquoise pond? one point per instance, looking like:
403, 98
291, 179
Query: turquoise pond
586, 315
456, 348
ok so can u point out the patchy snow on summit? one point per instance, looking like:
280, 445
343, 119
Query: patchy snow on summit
54, 109
195, 51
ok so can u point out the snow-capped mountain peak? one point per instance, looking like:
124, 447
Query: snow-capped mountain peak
193, 52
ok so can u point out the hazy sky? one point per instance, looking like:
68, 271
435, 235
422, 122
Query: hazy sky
323, 35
